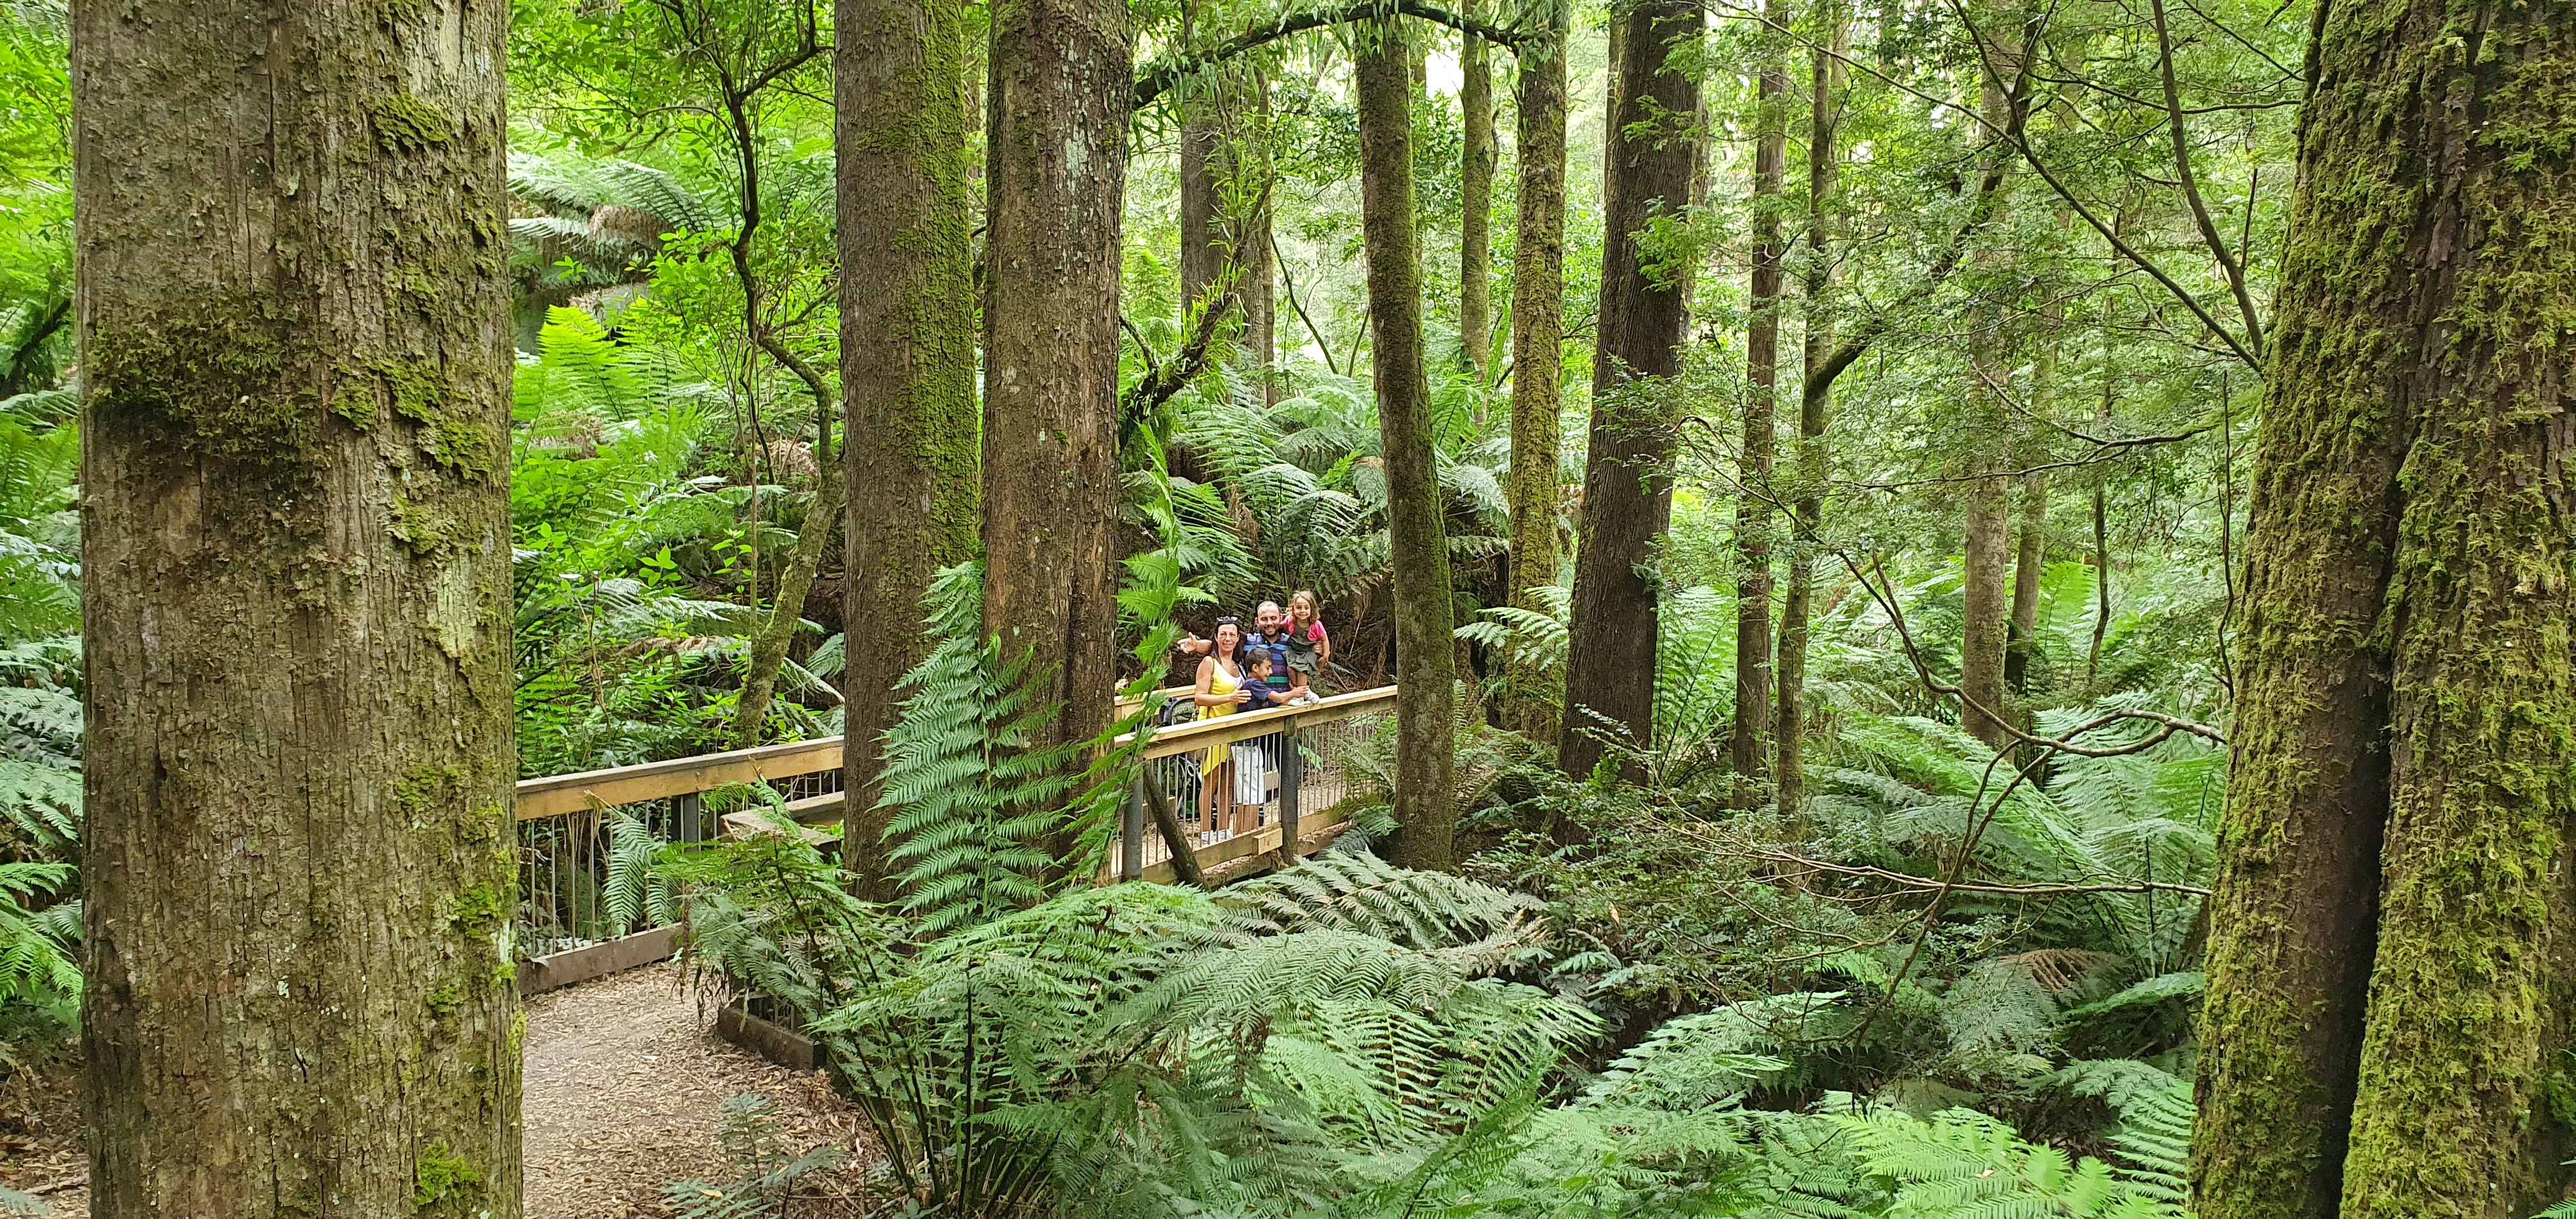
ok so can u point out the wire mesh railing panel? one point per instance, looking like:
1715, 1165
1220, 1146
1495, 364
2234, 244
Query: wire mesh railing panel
566, 861
1224, 791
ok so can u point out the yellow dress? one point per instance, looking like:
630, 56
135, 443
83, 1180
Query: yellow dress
1221, 685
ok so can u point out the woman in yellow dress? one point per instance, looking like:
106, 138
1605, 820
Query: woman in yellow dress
1220, 692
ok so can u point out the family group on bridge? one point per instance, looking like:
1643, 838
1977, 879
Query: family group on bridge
1275, 665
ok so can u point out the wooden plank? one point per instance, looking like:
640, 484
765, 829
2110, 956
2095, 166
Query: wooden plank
562, 969
1212, 856
815, 810
769, 1039
1200, 734
562, 794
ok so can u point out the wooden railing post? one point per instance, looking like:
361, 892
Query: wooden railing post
1131, 832
1292, 768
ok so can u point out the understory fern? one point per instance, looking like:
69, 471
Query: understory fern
973, 793
1964, 1163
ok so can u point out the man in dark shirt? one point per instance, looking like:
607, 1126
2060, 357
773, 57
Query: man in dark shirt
1270, 634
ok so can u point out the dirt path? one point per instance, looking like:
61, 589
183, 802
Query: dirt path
624, 1094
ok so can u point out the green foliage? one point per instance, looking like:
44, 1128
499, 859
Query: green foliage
1962, 1162
974, 801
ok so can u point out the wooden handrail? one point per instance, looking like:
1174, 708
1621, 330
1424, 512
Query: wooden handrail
1200, 734
558, 795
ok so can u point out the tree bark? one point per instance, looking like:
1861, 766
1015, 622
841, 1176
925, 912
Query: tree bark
1627, 486
2030, 557
1538, 357
1985, 620
1827, 77
2402, 752
787, 613
907, 366
1761, 427
1425, 617
2458, 331
1057, 159
294, 328
1476, 201
1225, 203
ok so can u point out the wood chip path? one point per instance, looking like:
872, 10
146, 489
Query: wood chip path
623, 1092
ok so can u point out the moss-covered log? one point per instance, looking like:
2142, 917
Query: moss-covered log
300, 874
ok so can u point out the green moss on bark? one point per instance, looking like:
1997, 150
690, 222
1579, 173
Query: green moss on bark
2408, 647
210, 385
406, 124
441, 1176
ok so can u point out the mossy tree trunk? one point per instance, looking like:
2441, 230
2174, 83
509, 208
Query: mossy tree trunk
1827, 79
907, 364
1425, 661
2402, 755
1056, 137
1476, 161
2459, 335
1538, 357
1627, 484
786, 616
294, 327
1225, 202
1753, 516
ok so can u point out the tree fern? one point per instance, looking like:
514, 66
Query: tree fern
1357, 891
973, 799
1965, 1163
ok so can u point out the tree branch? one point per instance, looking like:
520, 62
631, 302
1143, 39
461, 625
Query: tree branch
1160, 78
2191, 184
2170, 724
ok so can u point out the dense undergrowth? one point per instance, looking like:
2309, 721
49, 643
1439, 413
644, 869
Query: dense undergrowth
1640, 1009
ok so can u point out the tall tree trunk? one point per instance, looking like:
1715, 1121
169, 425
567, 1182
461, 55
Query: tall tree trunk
907, 366
2471, 989
2402, 754
1986, 617
1826, 81
1985, 620
1476, 201
1538, 363
2030, 557
1627, 485
1057, 163
295, 338
1425, 619
1225, 203
1761, 410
